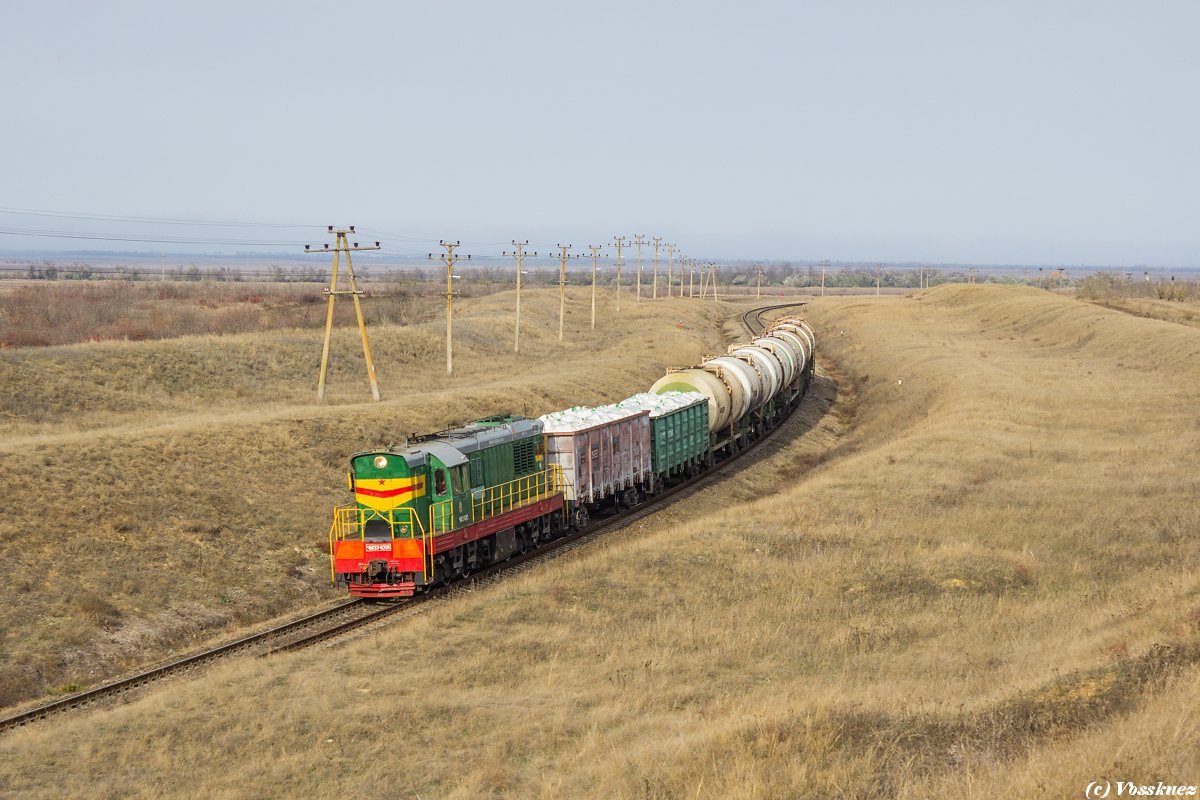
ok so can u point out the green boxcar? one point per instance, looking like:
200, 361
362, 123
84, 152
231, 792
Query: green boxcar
679, 438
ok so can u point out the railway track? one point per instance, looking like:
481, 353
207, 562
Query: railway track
352, 615
758, 313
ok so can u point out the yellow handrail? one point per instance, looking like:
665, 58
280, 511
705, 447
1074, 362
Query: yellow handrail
441, 516
517, 493
349, 522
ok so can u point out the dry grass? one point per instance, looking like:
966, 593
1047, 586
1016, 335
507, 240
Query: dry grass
977, 572
39, 314
1173, 301
188, 483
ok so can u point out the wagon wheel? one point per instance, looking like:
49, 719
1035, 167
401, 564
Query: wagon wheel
579, 520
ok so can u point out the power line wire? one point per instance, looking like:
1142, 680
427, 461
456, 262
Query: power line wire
37, 212
147, 239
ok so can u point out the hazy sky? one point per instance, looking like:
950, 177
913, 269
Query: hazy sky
1040, 133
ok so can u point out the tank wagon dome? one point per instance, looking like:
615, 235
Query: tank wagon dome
768, 367
694, 380
798, 342
747, 377
798, 327
784, 352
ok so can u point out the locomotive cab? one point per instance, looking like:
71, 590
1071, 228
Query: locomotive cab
447, 505
380, 540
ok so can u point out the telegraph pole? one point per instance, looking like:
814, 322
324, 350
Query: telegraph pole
518, 254
657, 239
878, 272
703, 279
692, 278
670, 270
595, 248
562, 287
822, 279
712, 268
640, 238
620, 243
759, 295
342, 246
449, 260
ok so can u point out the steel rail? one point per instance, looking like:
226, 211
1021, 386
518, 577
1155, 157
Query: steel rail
758, 312
485, 576
90, 696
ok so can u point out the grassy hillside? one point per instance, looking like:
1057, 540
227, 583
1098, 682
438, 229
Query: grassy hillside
974, 575
155, 492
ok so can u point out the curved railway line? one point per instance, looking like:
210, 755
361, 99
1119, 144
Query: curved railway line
758, 312
354, 614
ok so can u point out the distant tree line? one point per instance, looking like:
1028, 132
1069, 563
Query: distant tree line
49, 271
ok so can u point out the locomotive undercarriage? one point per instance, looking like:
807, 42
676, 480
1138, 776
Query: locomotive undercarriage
500, 546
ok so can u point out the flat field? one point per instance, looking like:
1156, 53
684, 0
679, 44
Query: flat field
968, 568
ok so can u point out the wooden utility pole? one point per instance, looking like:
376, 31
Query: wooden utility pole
822, 279
562, 287
620, 243
640, 238
595, 248
657, 239
449, 260
878, 272
692, 277
342, 246
759, 295
703, 279
712, 268
518, 254
1024, 274
670, 270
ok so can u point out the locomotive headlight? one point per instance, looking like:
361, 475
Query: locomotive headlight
380, 462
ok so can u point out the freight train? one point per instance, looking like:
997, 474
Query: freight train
444, 505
